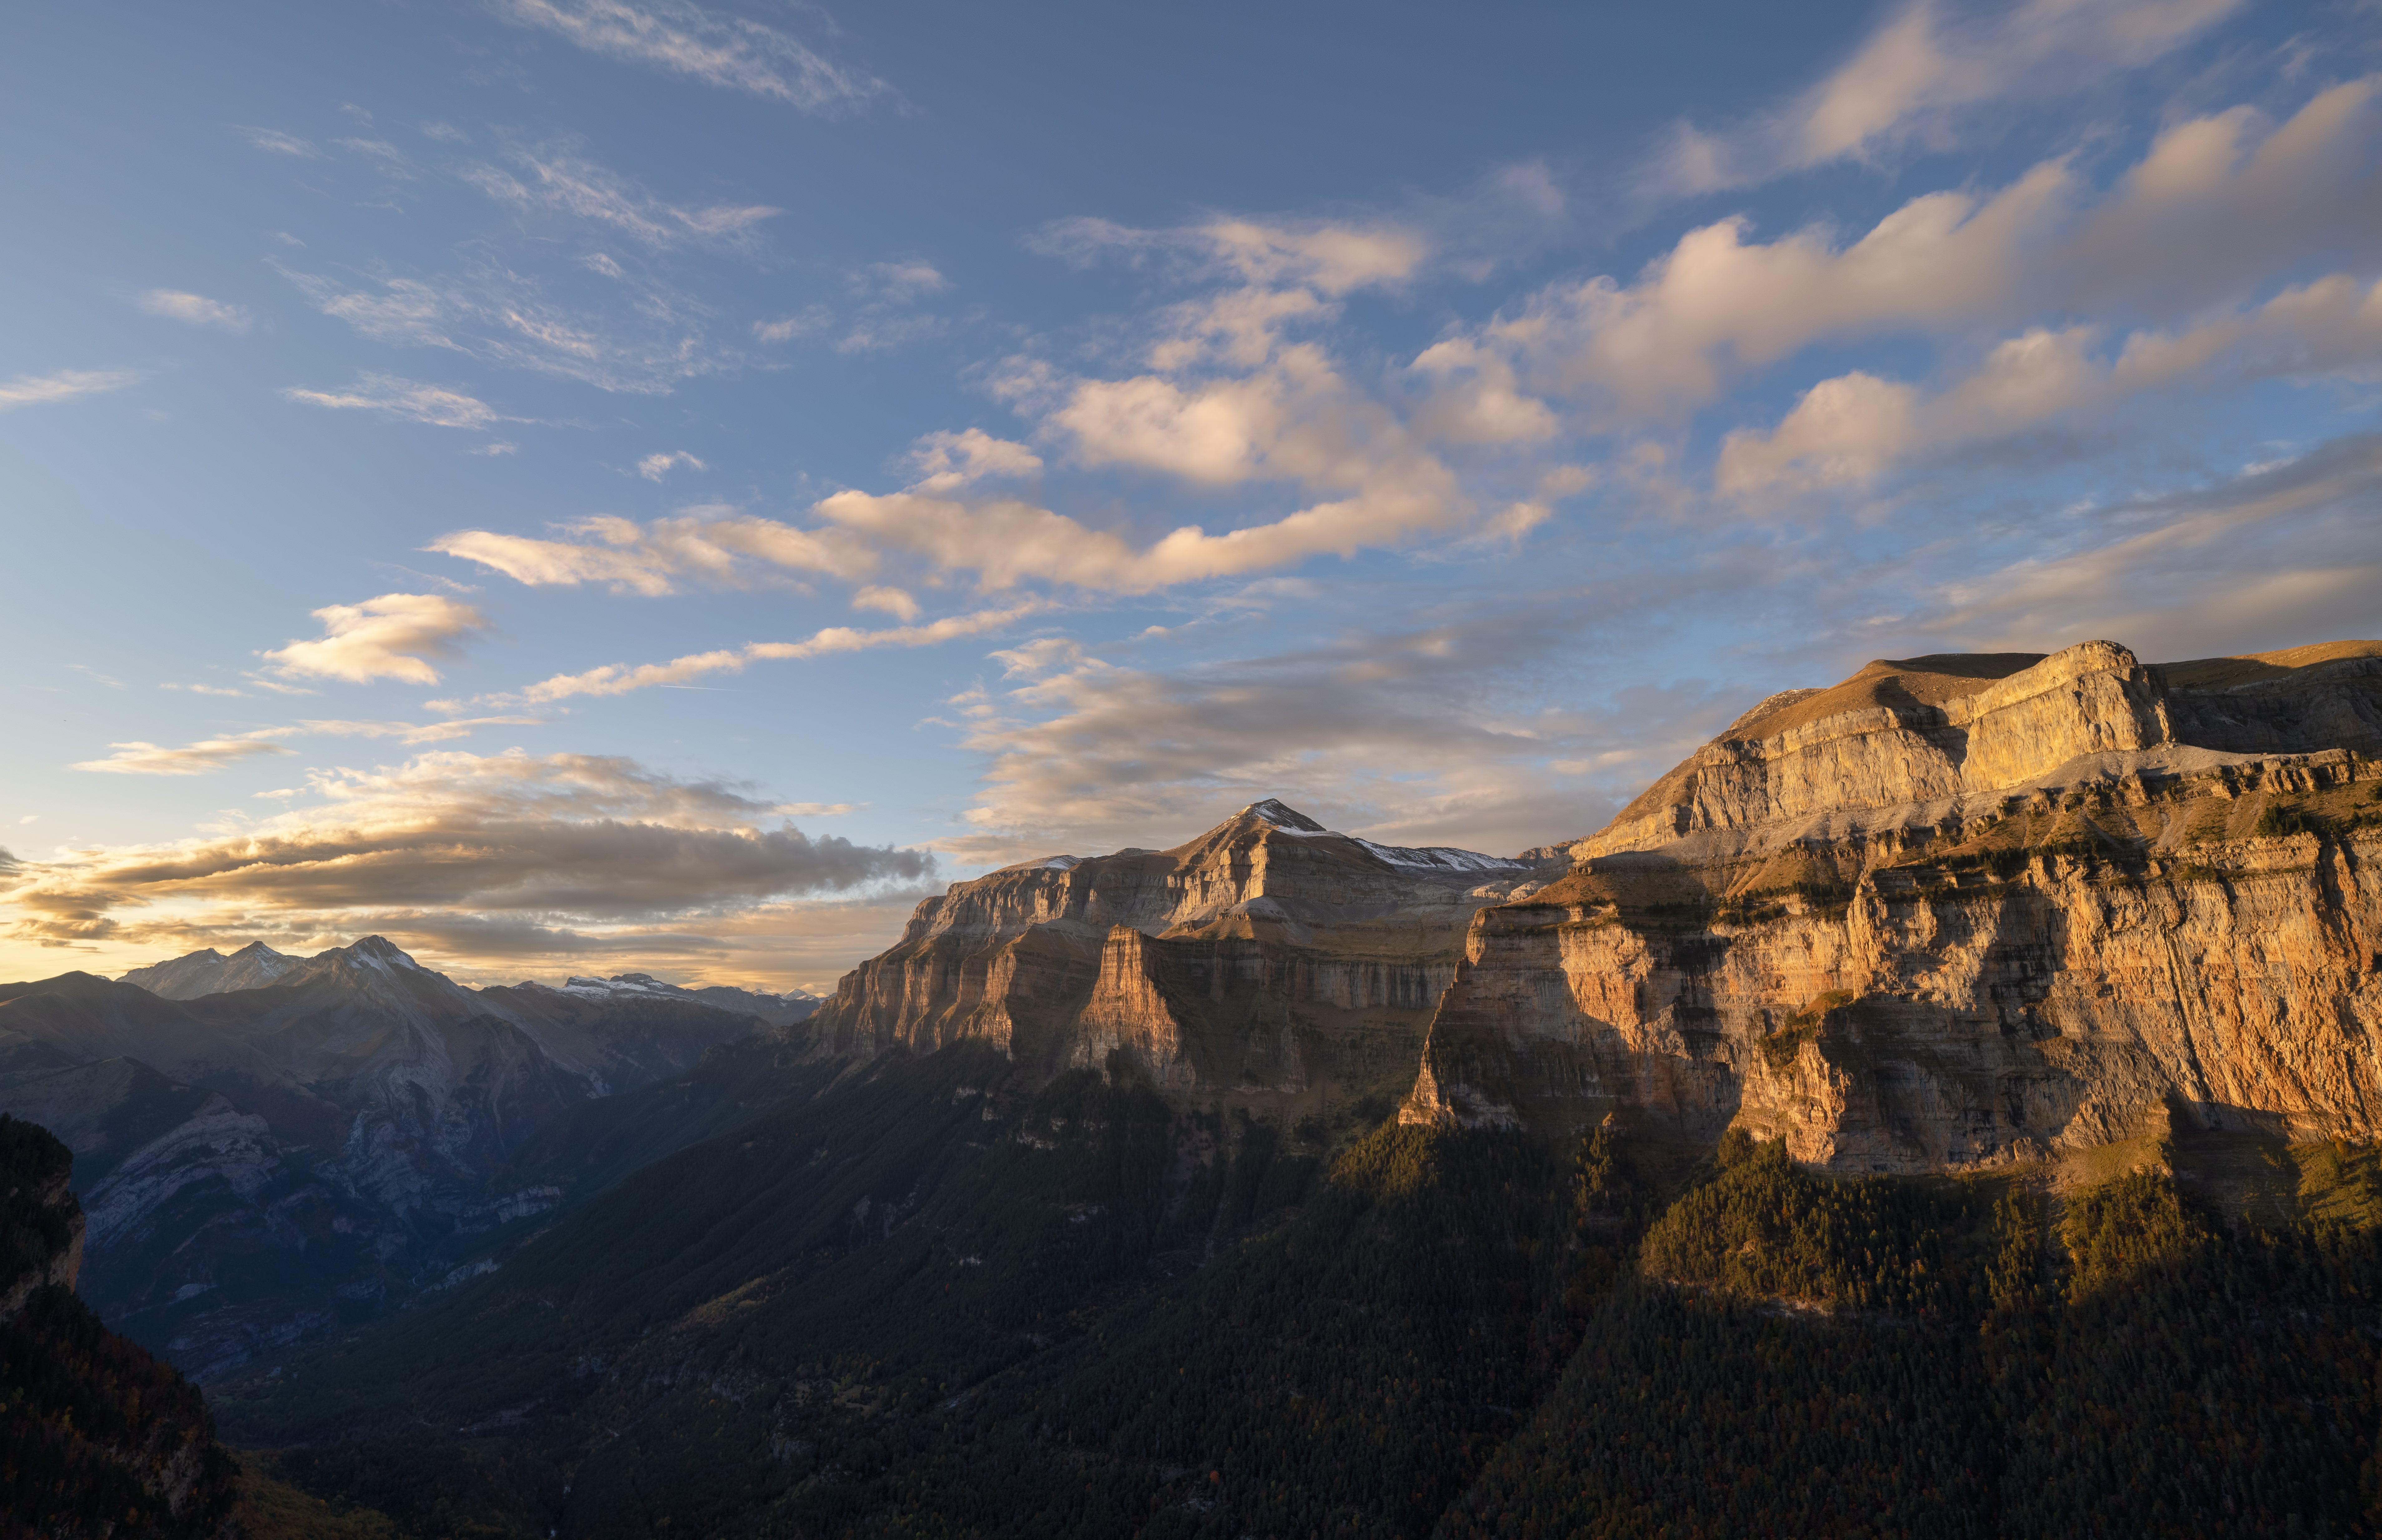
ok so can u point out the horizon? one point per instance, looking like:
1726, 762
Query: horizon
602, 486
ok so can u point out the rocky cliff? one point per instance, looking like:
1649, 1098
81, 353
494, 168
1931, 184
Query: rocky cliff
1268, 958
98, 1438
1960, 911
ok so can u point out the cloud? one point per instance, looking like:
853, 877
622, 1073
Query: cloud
2274, 557
2209, 214
653, 467
1922, 72
619, 679
891, 601
500, 316
192, 759
1403, 734
786, 330
562, 181
556, 840
499, 446
277, 143
196, 309
708, 545
1852, 427
27, 390
389, 637
901, 282
204, 688
405, 401
685, 39
944, 461
1330, 257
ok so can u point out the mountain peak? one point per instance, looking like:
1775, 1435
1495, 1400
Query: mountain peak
255, 951
378, 951
1282, 815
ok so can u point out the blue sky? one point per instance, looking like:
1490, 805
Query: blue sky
578, 485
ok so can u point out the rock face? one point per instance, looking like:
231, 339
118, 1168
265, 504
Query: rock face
1268, 957
98, 1438
1952, 726
2035, 906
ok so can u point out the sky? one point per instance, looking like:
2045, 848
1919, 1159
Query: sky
580, 486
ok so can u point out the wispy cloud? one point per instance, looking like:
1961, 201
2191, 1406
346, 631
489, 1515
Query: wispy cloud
653, 467
196, 309
619, 679
685, 39
277, 143
1921, 73
499, 315
390, 637
561, 180
191, 759
27, 390
405, 401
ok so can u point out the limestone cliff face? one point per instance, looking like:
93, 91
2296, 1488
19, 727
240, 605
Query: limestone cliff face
1945, 727
1238, 960
2138, 934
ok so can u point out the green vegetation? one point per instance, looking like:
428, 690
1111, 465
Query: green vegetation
923, 1302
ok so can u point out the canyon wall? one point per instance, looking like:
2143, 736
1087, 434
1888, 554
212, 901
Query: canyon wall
2071, 925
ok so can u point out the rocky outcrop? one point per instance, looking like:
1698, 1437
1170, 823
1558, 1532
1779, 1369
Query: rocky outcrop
1988, 970
1268, 957
98, 1438
1955, 727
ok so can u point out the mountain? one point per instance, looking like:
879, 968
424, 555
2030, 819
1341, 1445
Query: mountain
1939, 1106
263, 1165
1960, 912
98, 1438
779, 1009
210, 972
1270, 961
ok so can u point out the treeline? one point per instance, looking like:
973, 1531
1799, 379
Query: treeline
918, 1310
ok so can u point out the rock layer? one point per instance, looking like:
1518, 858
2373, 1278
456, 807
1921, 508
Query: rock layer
2149, 930
1270, 955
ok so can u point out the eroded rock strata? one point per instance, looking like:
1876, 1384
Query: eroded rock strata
1269, 956
1961, 912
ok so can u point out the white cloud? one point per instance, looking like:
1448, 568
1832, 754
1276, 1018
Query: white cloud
280, 144
901, 282
725, 51
792, 327
2211, 213
1923, 70
192, 759
1332, 258
619, 679
389, 637
497, 447
564, 182
405, 401
196, 309
653, 467
708, 545
944, 461
499, 316
27, 390
1850, 428
889, 601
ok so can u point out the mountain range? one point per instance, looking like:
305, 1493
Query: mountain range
267, 1147
1945, 1103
